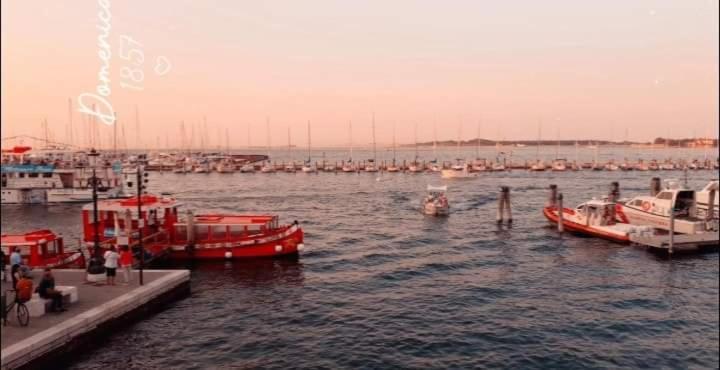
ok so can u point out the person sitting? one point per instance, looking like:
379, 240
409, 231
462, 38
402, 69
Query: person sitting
46, 289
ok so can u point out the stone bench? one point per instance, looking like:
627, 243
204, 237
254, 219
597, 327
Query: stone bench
38, 306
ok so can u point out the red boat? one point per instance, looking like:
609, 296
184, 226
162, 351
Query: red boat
40, 249
166, 233
594, 218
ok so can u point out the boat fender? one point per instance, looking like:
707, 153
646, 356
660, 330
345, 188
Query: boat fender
278, 248
228, 254
646, 206
300, 246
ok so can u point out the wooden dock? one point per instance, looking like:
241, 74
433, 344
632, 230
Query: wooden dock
680, 242
53, 338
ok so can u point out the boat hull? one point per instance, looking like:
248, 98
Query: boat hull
288, 243
552, 215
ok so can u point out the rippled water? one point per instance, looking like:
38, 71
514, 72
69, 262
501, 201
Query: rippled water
382, 286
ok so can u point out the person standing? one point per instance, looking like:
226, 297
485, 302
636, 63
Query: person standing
111, 264
126, 261
2, 264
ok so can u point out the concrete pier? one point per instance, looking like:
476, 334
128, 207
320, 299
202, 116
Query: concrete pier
100, 310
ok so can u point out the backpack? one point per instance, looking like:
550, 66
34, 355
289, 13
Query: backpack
24, 290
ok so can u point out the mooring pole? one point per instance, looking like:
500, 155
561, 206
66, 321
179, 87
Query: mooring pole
553, 196
561, 227
672, 231
654, 186
508, 208
501, 205
710, 216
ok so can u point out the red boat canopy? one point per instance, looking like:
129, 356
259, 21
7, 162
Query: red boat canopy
31, 238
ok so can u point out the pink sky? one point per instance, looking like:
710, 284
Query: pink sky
589, 70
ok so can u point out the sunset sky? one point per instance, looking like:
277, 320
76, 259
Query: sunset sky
585, 69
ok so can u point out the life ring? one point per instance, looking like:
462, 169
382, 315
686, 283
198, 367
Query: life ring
646, 206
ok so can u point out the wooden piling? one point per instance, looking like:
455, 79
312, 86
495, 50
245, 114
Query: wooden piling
561, 227
508, 208
501, 205
655, 186
672, 231
553, 196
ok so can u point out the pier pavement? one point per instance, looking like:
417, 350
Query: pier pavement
99, 307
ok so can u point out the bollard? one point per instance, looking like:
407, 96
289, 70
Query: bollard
654, 186
553, 196
561, 227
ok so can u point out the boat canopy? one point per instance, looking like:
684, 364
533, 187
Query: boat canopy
148, 202
437, 189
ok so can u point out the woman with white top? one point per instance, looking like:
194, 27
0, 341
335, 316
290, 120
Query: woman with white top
111, 264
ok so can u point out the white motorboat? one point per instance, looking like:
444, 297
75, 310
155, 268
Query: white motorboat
435, 202
655, 210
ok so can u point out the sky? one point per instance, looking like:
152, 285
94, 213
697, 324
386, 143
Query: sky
506, 69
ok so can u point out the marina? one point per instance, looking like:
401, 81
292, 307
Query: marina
359, 185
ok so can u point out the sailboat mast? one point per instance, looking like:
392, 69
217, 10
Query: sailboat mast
70, 121
477, 144
267, 127
351, 141
138, 144
309, 143
416, 142
373, 135
394, 147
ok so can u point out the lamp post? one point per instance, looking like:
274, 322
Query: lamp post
92, 159
140, 183
95, 267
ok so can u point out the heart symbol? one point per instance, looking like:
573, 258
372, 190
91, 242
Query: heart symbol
162, 66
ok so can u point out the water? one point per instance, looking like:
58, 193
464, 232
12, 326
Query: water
382, 286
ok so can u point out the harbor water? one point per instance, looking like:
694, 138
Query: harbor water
379, 285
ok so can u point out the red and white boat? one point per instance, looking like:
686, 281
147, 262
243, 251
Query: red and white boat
40, 249
167, 233
595, 218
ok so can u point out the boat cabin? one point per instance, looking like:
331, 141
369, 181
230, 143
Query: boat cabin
596, 212
208, 229
35, 247
672, 197
118, 219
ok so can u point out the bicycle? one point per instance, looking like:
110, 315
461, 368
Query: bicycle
23, 314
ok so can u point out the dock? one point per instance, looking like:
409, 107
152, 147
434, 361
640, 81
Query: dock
52, 338
680, 242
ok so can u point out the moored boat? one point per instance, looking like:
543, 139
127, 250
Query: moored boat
42, 248
167, 234
595, 218
655, 210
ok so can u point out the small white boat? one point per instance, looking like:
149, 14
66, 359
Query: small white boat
370, 166
309, 168
559, 165
538, 166
392, 168
348, 167
247, 168
458, 171
267, 168
435, 202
